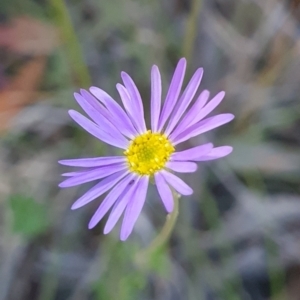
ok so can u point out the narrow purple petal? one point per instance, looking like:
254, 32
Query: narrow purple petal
155, 97
164, 192
134, 208
115, 138
72, 174
121, 119
192, 153
185, 100
182, 166
216, 153
179, 185
133, 91
130, 107
136, 100
212, 104
109, 200
201, 127
95, 174
120, 206
91, 100
92, 162
192, 113
92, 112
173, 93
97, 115
99, 189
97, 105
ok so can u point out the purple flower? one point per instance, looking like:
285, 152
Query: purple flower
147, 153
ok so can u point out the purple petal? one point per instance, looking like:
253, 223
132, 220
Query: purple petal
182, 166
173, 93
115, 138
216, 153
164, 192
97, 105
109, 200
97, 115
95, 174
185, 100
91, 100
72, 174
179, 185
155, 97
130, 107
136, 100
121, 120
134, 208
192, 153
213, 103
92, 112
119, 207
92, 162
192, 113
201, 127
99, 189
105, 119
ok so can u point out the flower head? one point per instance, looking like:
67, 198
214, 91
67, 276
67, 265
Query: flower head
146, 153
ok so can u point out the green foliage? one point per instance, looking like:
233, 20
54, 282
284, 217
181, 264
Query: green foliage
29, 216
159, 263
58, 74
16, 7
113, 283
131, 284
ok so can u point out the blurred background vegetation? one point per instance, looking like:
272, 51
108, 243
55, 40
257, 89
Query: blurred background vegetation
237, 236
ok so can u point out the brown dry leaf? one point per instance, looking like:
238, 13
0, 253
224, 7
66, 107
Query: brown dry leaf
28, 36
21, 90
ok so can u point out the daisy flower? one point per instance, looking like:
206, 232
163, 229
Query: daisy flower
147, 153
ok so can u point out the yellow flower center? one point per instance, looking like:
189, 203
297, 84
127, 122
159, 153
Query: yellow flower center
148, 153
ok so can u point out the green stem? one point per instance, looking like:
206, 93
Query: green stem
63, 21
191, 29
145, 255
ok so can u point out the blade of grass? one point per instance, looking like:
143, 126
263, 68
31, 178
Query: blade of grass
62, 18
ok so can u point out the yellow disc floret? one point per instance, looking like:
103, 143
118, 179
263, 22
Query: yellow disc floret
148, 153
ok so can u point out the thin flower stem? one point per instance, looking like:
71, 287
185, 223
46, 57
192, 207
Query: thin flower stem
145, 255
